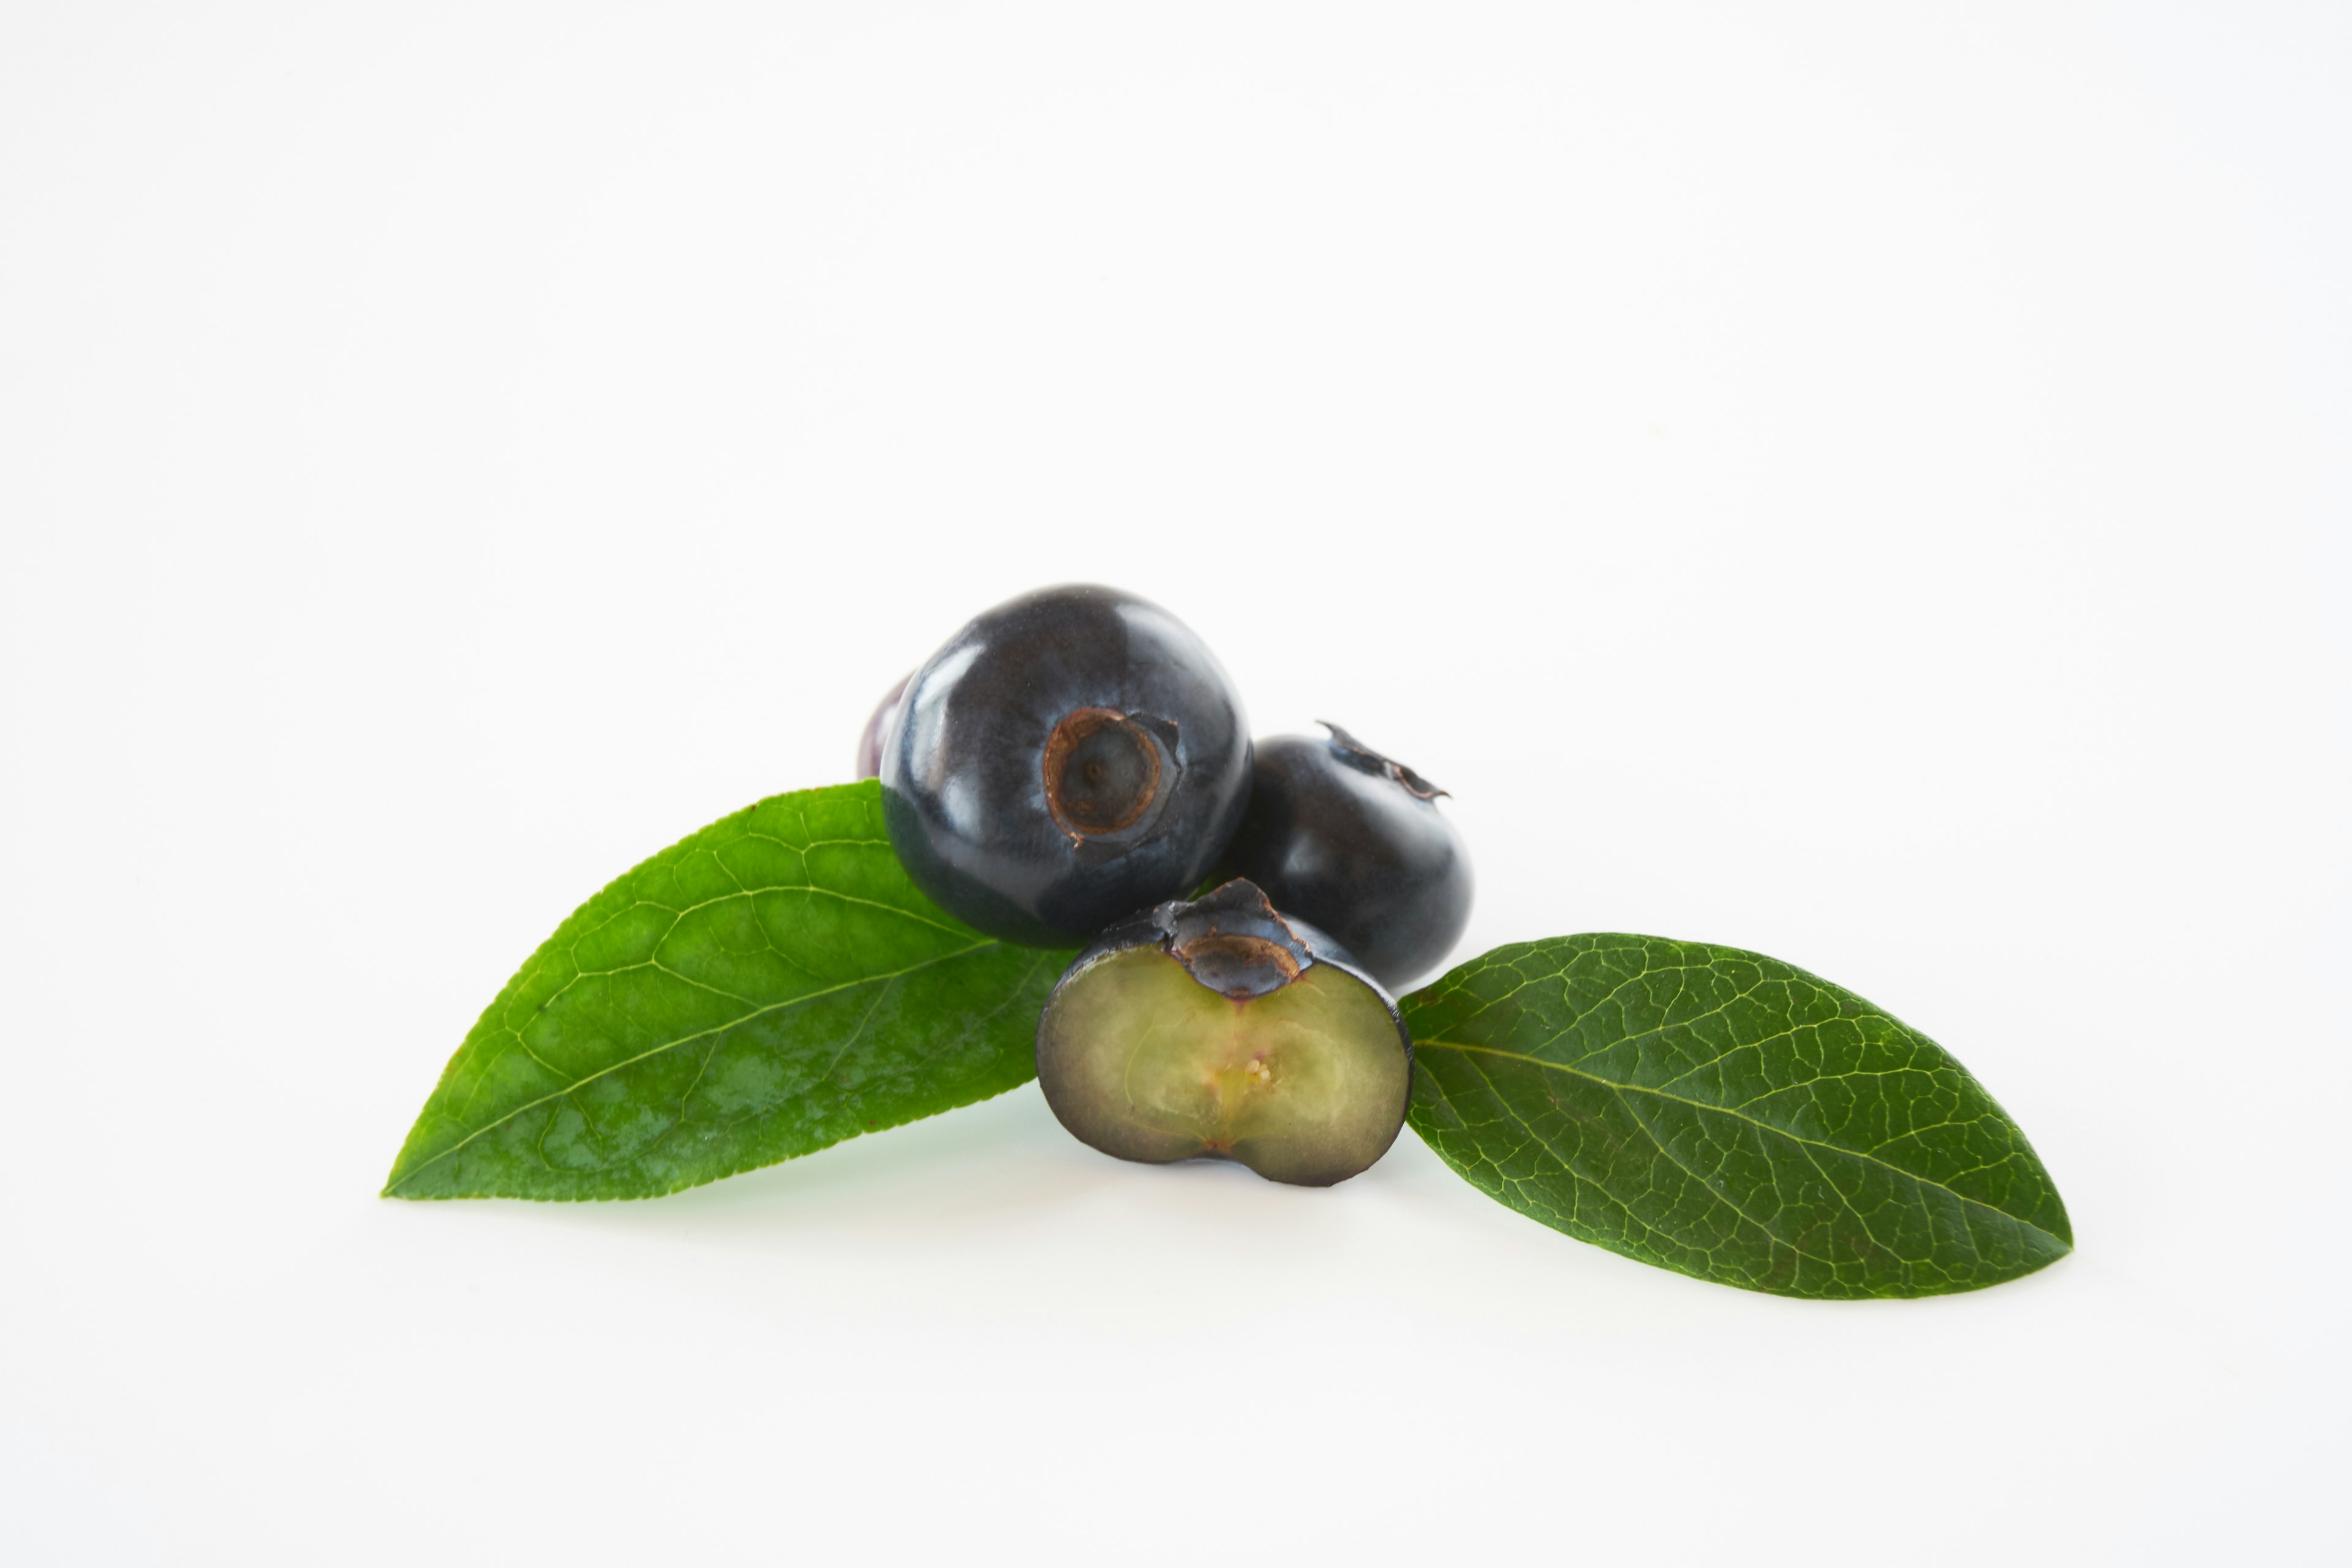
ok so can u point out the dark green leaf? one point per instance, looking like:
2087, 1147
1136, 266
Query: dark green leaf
769, 986
1726, 1115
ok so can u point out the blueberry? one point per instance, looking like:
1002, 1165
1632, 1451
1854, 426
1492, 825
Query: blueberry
1221, 1029
1067, 757
1341, 837
869, 743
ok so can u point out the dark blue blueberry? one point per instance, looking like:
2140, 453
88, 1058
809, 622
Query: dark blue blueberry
1341, 837
1067, 757
869, 741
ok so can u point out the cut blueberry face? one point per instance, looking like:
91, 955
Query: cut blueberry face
1221, 1029
878, 729
1067, 757
1341, 837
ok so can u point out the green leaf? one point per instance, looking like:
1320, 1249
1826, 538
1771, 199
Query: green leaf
766, 987
1726, 1115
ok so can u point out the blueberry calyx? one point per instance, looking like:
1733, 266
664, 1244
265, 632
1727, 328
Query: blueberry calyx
1362, 758
1233, 942
1102, 773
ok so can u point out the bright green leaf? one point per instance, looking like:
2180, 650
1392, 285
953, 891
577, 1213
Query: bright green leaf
769, 986
1726, 1115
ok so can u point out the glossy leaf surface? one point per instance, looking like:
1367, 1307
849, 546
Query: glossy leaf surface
766, 987
1726, 1115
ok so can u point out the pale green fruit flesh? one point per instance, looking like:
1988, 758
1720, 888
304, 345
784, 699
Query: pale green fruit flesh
1305, 1084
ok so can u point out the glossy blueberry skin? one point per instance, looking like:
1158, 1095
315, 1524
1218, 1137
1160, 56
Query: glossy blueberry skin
869, 741
1354, 843
1067, 757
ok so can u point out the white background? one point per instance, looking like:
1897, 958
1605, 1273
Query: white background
1864, 483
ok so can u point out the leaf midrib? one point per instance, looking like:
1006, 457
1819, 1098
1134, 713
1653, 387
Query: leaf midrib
2060, 1242
492, 1126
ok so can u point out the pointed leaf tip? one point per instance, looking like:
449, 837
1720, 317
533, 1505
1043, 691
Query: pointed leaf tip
766, 987
1728, 1116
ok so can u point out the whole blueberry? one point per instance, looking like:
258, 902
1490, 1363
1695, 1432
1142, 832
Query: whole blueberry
1222, 1029
1067, 757
1347, 839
